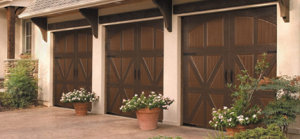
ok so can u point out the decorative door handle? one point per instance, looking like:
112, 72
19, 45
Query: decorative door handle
139, 75
134, 74
225, 74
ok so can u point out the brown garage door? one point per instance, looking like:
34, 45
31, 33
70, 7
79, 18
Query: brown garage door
72, 63
134, 62
216, 47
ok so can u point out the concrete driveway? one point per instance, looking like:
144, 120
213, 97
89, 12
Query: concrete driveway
53, 123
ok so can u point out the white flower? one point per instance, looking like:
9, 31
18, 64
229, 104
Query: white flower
254, 116
259, 112
215, 125
247, 118
124, 100
135, 95
231, 113
210, 121
225, 107
214, 111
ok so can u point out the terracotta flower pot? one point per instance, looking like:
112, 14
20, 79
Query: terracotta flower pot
239, 128
148, 118
81, 108
25, 56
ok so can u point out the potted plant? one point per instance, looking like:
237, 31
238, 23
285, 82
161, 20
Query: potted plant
147, 109
242, 115
25, 56
80, 99
233, 121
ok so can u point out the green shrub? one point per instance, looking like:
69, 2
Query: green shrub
6, 100
286, 105
272, 132
20, 85
165, 137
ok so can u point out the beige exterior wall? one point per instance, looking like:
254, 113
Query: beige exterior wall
69, 17
42, 52
288, 42
18, 38
126, 8
3, 40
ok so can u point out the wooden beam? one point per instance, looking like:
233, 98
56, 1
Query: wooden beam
214, 4
92, 16
68, 24
129, 16
165, 7
284, 9
11, 21
42, 24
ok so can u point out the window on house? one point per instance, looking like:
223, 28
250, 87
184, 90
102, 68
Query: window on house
27, 37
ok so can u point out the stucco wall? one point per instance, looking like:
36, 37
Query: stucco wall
42, 53
3, 40
288, 42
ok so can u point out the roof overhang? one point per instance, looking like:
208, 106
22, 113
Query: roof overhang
17, 3
67, 8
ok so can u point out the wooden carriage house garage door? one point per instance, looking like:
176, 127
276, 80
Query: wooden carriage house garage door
134, 62
72, 63
216, 47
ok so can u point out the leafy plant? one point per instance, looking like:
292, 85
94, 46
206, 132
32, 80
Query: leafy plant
165, 137
271, 132
20, 85
243, 93
228, 117
6, 100
79, 96
286, 105
153, 101
219, 135
242, 111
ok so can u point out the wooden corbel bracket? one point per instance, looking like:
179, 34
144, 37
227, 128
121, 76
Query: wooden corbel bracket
165, 7
92, 16
19, 10
284, 9
41, 22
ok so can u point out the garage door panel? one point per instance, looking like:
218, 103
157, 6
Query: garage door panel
215, 33
216, 47
159, 39
72, 63
267, 32
115, 42
196, 37
128, 40
115, 99
134, 61
244, 31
